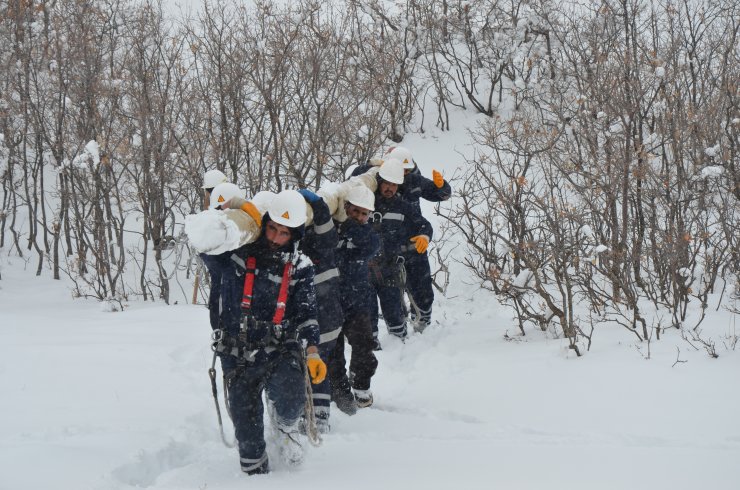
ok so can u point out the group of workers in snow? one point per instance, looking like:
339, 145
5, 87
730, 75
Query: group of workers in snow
304, 274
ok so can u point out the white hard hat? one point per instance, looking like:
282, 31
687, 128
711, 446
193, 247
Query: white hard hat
402, 154
212, 178
263, 199
288, 208
361, 196
392, 171
223, 192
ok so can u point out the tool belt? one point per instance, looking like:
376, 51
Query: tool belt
273, 337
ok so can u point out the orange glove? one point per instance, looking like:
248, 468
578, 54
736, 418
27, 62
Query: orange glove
316, 368
421, 242
438, 180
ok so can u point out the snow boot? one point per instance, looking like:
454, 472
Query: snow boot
364, 398
421, 325
322, 423
376, 342
345, 401
291, 450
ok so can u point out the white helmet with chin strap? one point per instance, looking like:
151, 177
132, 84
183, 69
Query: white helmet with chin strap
392, 171
404, 155
288, 208
212, 178
361, 196
223, 192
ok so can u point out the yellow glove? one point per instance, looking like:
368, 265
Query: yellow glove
438, 180
421, 242
316, 368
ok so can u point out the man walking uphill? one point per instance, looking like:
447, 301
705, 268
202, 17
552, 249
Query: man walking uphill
358, 243
418, 272
269, 309
397, 223
319, 244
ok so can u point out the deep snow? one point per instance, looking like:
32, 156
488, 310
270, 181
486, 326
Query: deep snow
97, 400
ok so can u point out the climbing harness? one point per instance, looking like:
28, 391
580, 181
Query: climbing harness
276, 332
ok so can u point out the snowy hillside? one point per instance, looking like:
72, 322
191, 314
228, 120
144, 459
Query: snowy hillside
97, 400
100, 400
94, 399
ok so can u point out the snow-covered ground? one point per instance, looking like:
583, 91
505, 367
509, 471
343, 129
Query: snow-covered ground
100, 400
91, 399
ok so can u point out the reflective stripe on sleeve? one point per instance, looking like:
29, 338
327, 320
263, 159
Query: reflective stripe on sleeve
329, 336
239, 261
395, 216
326, 275
307, 323
325, 228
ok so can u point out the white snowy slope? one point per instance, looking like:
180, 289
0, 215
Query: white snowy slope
98, 400
114, 401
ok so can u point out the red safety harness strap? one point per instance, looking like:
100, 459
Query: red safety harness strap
277, 318
249, 283
282, 299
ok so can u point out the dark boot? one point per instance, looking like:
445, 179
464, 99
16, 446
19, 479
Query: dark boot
345, 401
364, 398
376, 344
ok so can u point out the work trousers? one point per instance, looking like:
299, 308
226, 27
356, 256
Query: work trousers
280, 375
362, 365
419, 284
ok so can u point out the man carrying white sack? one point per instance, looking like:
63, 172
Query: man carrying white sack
397, 223
319, 244
268, 308
418, 271
221, 193
358, 243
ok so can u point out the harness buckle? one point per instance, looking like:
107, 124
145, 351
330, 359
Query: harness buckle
218, 336
376, 217
278, 332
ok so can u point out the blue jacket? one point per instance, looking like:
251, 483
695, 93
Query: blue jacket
214, 296
396, 221
300, 312
319, 244
415, 186
358, 243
